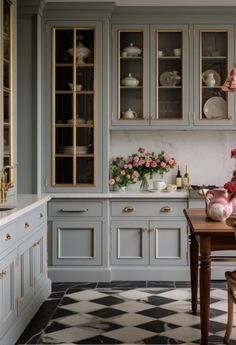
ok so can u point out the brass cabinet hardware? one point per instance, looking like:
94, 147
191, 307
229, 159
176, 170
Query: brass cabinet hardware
3, 273
40, 215
128, 209
38, 242
145, 229
8, 237
26, 225
74, 210
152, 229
165, 209
35, 244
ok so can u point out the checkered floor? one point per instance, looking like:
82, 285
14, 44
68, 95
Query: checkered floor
132, 316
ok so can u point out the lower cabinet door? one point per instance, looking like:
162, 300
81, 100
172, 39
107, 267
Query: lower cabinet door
8, 305
129, 242
168, 242
77, 243
26, 257
40, 257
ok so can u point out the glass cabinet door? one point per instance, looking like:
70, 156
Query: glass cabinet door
170, 91
214, 51
130, 74
7, 90
73, 106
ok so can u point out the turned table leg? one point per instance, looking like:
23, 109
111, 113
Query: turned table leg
205, 284
194, 257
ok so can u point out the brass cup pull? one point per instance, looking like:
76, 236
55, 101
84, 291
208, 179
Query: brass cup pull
40, 215
8, 237
3, 273
165, 209
128, 209
26, 225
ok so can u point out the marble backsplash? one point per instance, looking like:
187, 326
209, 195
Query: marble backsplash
206, 153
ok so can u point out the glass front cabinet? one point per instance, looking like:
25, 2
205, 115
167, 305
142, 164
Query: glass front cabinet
170, 76
214, 49
6, 86
74, 107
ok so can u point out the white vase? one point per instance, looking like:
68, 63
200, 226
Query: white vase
120, 189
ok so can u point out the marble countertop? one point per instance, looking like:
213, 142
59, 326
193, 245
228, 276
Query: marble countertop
118, 195
21, 204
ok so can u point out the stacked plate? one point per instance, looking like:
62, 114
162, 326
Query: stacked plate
79, 121
79, 149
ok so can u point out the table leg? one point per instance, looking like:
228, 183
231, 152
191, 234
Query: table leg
194, 254
205, 284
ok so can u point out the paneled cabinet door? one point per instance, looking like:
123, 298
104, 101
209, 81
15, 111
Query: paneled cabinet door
40, 257
213, 60
130, 71
77, 243
169, 63
168, 243
129, 242
8, 307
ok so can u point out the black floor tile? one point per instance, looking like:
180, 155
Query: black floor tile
157, 312
186, 284
107, 312
157, 326
30, 334
62, 312
55, 326
122, 285
109, 300
160, 340
159, 284
100, 339
158, 300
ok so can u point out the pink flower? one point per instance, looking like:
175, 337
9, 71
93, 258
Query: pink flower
136, 158
130, 166
171, 161
166, 158
147, 165
111, 182
135, 174
122, 172
128, 176
233, 153
230, 186
125, 166
153, 164
163, 164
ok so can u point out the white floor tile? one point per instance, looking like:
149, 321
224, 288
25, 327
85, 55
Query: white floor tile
86, 295
186, 334
131, 319
76, 319
178, 306
134, 294
133, 306
129, 334
69, 335
182, 319
221, 305
178, 294
83, 307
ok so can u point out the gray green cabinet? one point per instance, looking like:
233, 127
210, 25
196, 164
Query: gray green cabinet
74, 109
175, 76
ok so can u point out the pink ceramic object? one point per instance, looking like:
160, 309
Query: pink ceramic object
219, 204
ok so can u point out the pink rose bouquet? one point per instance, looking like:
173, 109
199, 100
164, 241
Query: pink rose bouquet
231, 185
138, 166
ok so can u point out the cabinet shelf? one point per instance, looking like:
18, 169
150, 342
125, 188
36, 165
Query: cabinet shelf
214, 57
131, 58
70, 125
212, 87
169, 57
59, 155
77, 92
169, 87
131, 87
70, 64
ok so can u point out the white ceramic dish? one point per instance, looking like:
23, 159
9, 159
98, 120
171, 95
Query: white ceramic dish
154, 190
215, 74
78, 121
167, 79
79, 149
215, 107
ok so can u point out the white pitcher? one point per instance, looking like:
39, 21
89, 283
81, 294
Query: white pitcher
209, 80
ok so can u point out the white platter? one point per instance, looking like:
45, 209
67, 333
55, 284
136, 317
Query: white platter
166, 79
215, 74
215, 107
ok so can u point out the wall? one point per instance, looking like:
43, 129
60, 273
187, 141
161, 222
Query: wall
207, 153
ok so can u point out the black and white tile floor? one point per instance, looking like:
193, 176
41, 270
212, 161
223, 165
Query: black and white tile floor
125, 313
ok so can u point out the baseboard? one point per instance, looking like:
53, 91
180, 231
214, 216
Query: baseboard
77, 274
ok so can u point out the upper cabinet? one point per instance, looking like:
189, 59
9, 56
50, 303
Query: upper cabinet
214, 51
74, 108
170, 76
6, 87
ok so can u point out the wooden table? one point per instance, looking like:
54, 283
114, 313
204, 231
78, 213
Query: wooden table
205, 236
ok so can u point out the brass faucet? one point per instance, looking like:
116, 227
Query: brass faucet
4, 184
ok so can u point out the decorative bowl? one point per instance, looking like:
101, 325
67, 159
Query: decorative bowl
131, 50
129, 81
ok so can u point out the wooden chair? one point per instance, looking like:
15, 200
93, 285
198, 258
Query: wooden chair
231, 282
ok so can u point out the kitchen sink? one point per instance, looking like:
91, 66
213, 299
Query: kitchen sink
6, 207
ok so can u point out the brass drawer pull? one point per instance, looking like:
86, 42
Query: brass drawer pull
8, 237
128, 209
26, 225
35, 244
165, 209
145, 229
3, 273
40, 215
71, 211
152, 229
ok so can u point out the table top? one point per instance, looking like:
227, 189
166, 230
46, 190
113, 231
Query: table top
201, 225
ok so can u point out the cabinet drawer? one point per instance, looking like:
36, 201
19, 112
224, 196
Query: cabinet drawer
8, 236
75, 209
32, 220
147, 209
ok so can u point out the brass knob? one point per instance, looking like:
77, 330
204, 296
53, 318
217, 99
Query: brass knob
145, 229
35, 244
8, 237
128, 209
40, 215
165, 209
26, 225
38, 242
